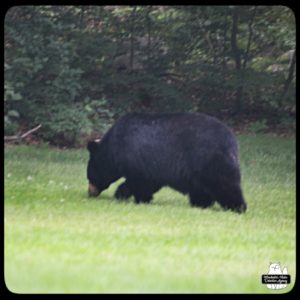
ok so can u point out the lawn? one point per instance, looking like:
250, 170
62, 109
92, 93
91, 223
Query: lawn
59, 241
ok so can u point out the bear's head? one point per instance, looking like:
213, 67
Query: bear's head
99, 170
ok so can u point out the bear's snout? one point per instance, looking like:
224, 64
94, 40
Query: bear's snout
93, 191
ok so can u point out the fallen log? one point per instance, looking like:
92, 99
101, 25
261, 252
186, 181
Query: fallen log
20, 137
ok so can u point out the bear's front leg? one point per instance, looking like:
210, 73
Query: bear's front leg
123, 191
143, 190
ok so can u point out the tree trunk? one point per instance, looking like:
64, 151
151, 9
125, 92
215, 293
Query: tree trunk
224, 54
132, 38
234, 32
237, 57
246, 56
288, 80
148, 26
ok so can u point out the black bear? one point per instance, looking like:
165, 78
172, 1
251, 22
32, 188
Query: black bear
190, 152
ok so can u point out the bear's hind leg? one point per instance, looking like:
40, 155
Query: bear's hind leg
230, 197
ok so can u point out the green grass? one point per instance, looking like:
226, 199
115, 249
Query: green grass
59, 241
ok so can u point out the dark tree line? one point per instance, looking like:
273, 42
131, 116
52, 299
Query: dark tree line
74, 69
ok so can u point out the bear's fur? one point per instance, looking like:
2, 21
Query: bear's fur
190, 152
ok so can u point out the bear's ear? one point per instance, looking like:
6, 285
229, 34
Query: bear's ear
92, 146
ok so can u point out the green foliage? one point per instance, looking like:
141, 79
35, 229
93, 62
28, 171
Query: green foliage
286, 122
62, 124
99, 114
258, 126
145, 58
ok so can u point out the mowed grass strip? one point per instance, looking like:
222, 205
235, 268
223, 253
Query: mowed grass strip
59, 241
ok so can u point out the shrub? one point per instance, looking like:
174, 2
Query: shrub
63, 124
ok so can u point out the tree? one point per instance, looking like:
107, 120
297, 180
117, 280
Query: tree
72, 68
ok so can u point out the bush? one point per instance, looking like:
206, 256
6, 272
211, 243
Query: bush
63, 124
75, 69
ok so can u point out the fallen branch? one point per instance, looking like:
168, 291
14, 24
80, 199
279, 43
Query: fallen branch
24, 135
